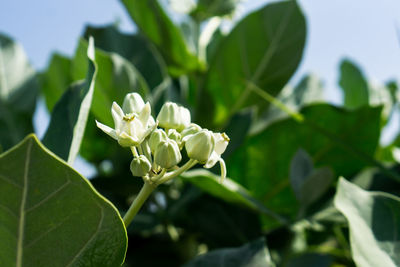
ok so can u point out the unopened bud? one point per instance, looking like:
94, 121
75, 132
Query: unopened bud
174, 135
140, 166
156, 137
172, 116
200, 146
190, 130
133, 103
167, 154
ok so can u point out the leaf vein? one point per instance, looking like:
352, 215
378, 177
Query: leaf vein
8, 210
48, 197
10, 181
21, 225
91, 238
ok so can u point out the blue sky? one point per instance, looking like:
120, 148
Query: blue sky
366, 31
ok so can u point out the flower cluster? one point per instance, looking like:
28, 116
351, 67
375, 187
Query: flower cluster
157, 145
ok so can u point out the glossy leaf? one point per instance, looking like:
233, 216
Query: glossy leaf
68, 120
262, 164
52, 216
354, 85
18, 90
135, 48
154, 23
253, 254
265, 49
374, 222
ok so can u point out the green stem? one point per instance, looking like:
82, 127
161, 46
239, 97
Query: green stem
171, 175
159, 176
134, 152
144, 193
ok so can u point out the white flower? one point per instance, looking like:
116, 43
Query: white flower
132, 128
221, 142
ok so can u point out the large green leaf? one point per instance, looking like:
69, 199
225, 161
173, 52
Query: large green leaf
253, 254
52, 216
333, 137
134, 48
68, 120
374, 222
18, 90
167, 37
265, 49
354, 85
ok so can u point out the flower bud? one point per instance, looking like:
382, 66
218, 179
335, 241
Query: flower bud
172, 116
140, 166
174, 135
156, 137
133, 103
200, 146
193, 128
167, 154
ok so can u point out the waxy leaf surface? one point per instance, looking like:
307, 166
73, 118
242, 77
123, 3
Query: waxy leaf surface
51, 216
374, 222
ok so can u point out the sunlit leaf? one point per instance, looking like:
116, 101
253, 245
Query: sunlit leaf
52, 216
68, 120
374, 222
262, 164
265, 49
154, 23
354, 85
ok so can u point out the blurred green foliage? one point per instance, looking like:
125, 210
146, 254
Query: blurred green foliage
288, 144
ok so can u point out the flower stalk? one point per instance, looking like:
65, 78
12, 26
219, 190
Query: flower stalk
143, 195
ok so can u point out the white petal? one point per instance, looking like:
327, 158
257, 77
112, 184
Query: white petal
214, 157
111, 132
220, 143
126, 140
184, 139
135, 129
145, 114
185, 116
133, 103
117, 115
148, 131
223, 170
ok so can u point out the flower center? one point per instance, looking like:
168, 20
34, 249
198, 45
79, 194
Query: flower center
129, 117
